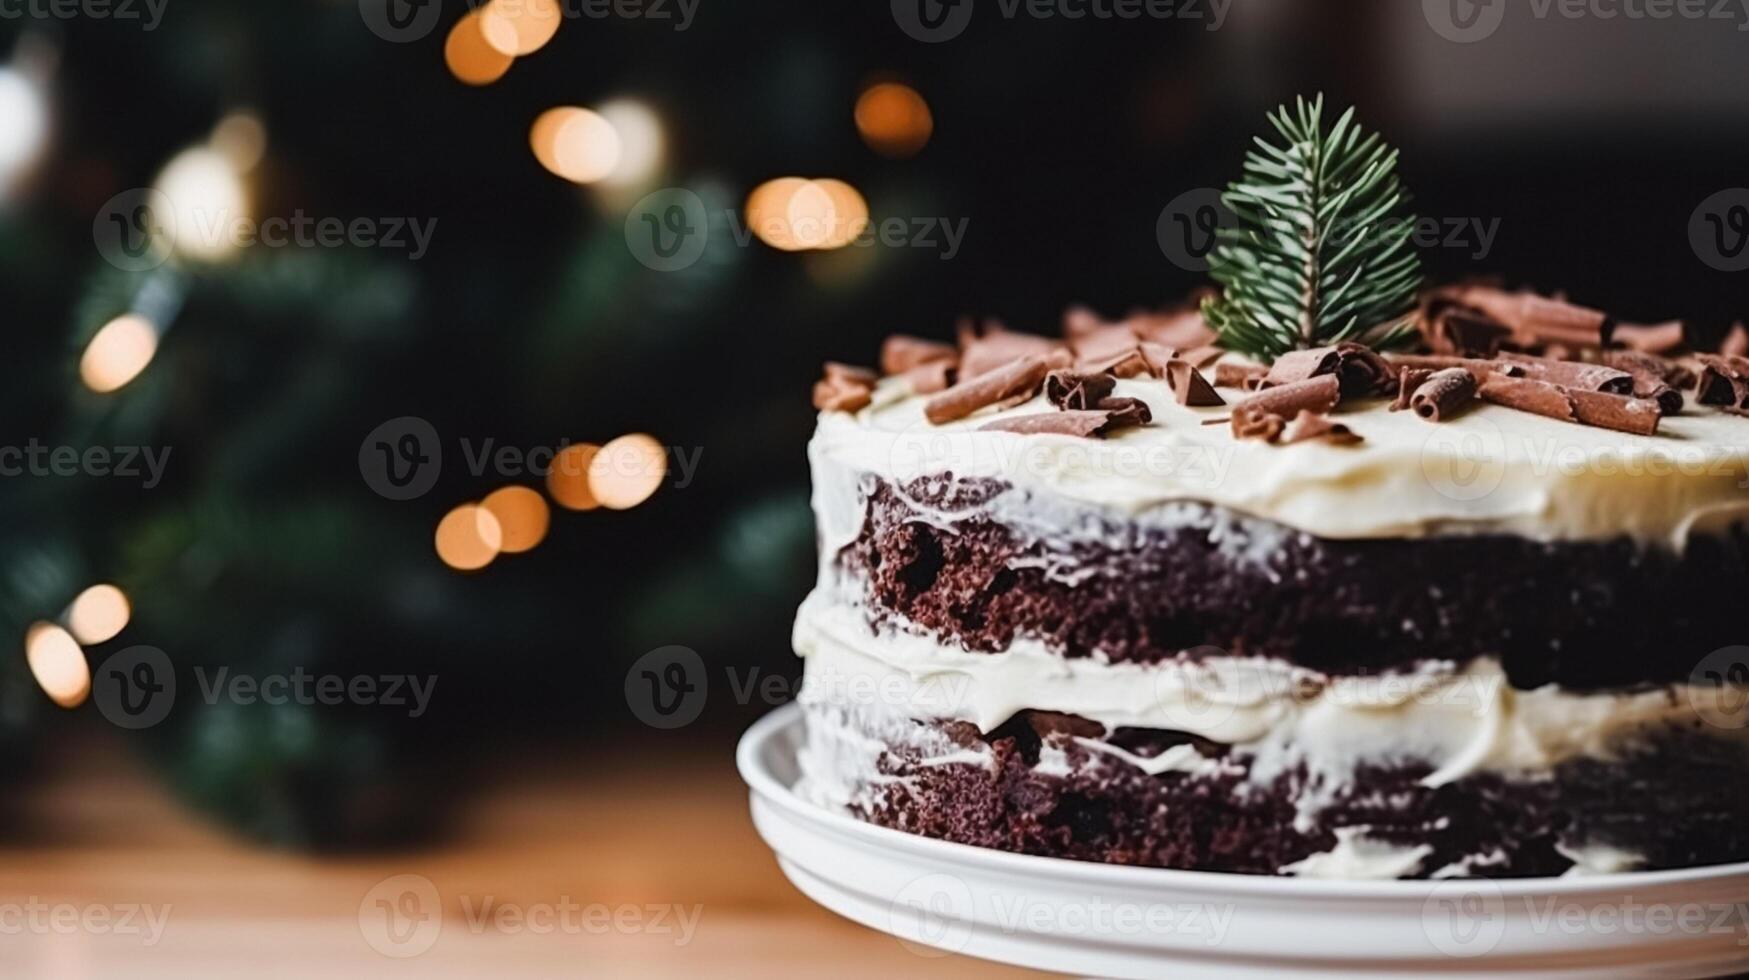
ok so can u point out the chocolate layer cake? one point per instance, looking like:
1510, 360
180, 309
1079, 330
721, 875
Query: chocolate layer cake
1124, 598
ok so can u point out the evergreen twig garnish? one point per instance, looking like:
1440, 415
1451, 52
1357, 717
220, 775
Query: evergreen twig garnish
1322, 250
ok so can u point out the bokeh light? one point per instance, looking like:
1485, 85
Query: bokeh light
893, 119
58, 664
118, 353
241, 138
471, 56
98, 614
768, 212
469, 537
642, 144
627, 471
208, 202
568, 480
576, 144
520, 27
522, 517
24, 124
792, 213
849, 213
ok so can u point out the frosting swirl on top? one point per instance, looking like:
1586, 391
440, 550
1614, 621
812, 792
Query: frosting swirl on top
1488, 470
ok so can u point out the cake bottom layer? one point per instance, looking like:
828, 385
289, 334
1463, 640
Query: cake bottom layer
1061, 786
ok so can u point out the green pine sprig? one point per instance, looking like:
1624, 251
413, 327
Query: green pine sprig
1322, 251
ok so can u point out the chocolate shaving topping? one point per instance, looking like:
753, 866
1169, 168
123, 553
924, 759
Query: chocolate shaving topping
1126, 412
1736, 342
1409, 379
1180, 329
1302, 364
1070, 390
844, 388
1204, 357
1189, 387
927, 379
1652, 376
1724, 382
1360, 371
995, 346
1536, 321
1103, 342
1246, 377
1018, 379
1478, 368
1464, 331
1654, 338
1314, 425
1573, 374
1621, 413
1157, 357
1319, 394
1443, 394
1076, 423
1123, 364
901, 353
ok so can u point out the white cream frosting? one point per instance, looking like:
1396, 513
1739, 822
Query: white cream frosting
1276, 716
1491, 469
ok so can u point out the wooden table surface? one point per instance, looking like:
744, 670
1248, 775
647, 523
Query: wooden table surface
587, 872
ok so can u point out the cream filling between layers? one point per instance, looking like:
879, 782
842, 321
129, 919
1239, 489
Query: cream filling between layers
1277, 717
1490, 470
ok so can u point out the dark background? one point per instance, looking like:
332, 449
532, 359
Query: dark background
1590, 141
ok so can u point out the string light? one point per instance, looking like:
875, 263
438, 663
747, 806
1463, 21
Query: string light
793, 214
98, 614
24, 124
470, 53
627, 471
576, 144
468, 538
207, 200
568, 480
118, 352
642, 144
58, 664
893, 119
520, 27
522, 517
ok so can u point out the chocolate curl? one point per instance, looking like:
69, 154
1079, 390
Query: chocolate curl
1070, 390
1157, 357
1443, 394
1102, 342
1123, 364
1180, 329
1302, 364
1536, 321
1204, 357
1126, 412
901, 353
996, 346
1246, 377
1079, 321
1573, 374
1465, 332
1653, 338
1312, 425
844, 388
1724, 382
1319, 394
1084, 424
1360, 371
927, 379
1018, 379
1189, 387
1736, 342
1478, 368
1652, 376
1408, 380
1623, 414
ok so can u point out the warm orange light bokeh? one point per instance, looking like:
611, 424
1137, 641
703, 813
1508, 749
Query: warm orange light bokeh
522, 516
468, 538
893, 119
568, 480
58, 664
627, 471
471, 56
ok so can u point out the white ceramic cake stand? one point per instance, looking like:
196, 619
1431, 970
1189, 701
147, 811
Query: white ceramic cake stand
1108, 921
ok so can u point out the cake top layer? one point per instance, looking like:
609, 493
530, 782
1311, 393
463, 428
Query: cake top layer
1494, 464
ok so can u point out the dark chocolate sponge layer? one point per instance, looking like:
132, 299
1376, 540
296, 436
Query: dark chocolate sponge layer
1586, 615
1677, 801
